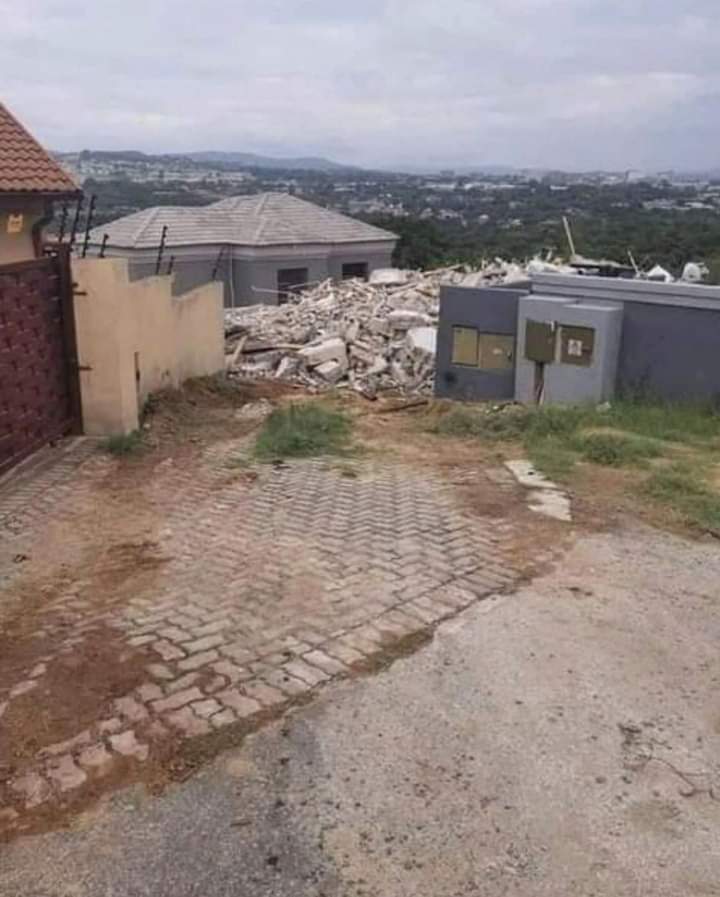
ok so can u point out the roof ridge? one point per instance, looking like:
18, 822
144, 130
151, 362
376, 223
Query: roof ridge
151, 215
259, 210
30, 180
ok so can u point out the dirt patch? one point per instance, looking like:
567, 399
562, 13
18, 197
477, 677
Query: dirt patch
73, 691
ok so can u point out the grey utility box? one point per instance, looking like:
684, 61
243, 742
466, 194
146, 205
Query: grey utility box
567, 349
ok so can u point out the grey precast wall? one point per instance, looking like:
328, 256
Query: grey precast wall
669, 345
489, 310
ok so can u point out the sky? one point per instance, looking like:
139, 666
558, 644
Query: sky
422, 84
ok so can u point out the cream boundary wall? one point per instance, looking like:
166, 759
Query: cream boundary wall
135, 337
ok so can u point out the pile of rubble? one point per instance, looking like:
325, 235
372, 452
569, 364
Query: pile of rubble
371, 337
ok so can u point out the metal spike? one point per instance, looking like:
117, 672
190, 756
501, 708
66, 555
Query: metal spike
88, 224
76, 220
161, 249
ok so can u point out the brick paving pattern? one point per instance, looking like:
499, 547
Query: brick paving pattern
268, 589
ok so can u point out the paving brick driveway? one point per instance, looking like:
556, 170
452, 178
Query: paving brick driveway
262, 586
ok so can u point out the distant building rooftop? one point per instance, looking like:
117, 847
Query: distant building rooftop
25, 167
267, 219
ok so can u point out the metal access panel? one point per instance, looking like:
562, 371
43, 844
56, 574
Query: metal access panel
584, 366
540, 341
577, 345
496, 352
465, 346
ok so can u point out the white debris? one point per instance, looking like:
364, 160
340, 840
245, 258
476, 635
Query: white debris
660, 275
320, 353
332, 371
388, 277
371, 337
695, 272
422, 339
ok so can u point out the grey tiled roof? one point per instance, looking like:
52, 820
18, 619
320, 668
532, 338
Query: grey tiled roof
267, 219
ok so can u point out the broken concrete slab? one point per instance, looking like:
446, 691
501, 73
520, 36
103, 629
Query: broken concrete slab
363, 324
545, 497
422, 339
328, 350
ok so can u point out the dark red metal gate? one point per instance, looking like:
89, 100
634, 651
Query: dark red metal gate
39, 389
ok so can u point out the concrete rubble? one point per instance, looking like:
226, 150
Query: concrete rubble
371, 337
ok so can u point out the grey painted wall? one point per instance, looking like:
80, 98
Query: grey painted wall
672, 353
489, 310
570, 383
254, 281
381, 258
670, 346
669, 349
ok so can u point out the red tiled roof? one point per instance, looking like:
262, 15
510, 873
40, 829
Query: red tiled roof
25, 167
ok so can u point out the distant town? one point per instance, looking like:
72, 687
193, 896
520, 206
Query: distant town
668, 218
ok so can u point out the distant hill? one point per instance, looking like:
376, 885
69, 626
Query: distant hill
213, 157
305, 163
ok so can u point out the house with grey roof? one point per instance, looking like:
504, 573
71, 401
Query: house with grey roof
263, 247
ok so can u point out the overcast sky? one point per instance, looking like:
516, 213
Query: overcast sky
548, 83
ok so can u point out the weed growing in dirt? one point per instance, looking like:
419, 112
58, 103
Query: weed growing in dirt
124, 444
657, 440
302, 430
623, 433
682, 487
615, 449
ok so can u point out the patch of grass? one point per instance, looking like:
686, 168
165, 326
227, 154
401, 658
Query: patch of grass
302, 430
552, 456
467, 421
674, 422
681, 487
124, 444
615, 449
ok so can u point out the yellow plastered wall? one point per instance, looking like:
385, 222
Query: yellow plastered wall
135, 338
18, 216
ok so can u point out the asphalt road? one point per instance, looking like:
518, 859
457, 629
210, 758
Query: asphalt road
564, 740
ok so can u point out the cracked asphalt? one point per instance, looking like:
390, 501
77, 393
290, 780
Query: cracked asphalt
562, 740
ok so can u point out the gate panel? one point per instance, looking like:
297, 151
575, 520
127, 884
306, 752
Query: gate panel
38, 397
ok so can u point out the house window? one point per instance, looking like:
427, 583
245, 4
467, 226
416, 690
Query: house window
355, 270
291, 281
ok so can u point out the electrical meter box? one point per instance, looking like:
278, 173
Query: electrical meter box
568, 349
540, 341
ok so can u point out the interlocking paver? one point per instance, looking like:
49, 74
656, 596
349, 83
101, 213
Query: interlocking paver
198, 660
253, 607
240, 703
188, 723
179, 699
65, 773
126, 743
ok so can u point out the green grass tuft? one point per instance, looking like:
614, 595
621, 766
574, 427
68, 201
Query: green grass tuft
467, 421
303, 430
124, 444
615, 449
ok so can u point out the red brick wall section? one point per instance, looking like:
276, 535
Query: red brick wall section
35, 399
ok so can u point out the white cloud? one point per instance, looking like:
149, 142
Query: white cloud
574, 83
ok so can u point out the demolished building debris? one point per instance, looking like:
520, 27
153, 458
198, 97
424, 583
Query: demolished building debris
371, 337
378, 335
